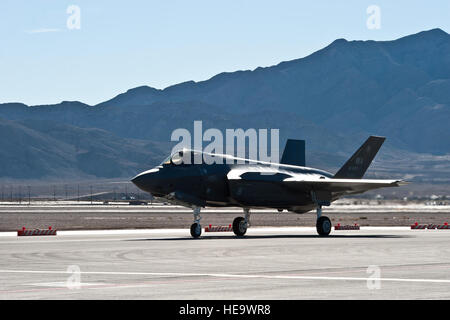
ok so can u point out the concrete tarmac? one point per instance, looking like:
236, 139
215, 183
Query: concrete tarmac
83, 216
268, 263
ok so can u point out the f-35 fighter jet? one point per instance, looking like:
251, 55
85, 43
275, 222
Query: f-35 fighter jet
187, 179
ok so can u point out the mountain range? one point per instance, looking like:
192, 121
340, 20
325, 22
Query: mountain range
333, 98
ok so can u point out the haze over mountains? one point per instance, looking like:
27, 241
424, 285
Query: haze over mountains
333, 98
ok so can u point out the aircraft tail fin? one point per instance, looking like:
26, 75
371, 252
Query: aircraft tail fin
360, 161
294, 153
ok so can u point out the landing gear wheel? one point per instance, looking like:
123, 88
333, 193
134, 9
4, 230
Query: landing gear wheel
196, 230
323, 226
239, 226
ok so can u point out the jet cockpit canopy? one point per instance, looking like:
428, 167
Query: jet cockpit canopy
184, 156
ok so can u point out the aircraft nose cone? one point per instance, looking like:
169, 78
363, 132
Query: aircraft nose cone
147, 180
139, 181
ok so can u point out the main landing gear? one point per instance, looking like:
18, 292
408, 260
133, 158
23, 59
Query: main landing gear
241, 224
323, 224
196, 228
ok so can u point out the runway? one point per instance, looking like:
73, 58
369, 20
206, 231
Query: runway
268, 263
83, 216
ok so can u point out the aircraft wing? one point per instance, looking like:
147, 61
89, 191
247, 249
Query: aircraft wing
306, 183
341, 186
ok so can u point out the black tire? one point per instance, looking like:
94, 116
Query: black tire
196, 230
323, 226
239, 226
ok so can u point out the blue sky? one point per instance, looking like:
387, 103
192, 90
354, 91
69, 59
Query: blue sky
160, 43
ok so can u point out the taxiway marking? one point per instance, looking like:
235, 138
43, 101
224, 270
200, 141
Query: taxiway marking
231, 276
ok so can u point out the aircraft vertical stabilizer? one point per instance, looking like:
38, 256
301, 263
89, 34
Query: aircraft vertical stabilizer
294, 153
360, 161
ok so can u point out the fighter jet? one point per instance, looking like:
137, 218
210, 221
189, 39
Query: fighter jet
185, 178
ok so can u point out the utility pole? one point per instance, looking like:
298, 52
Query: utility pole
78, 193
91, 194
29, 195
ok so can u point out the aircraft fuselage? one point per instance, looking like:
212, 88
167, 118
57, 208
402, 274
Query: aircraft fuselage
208, 185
